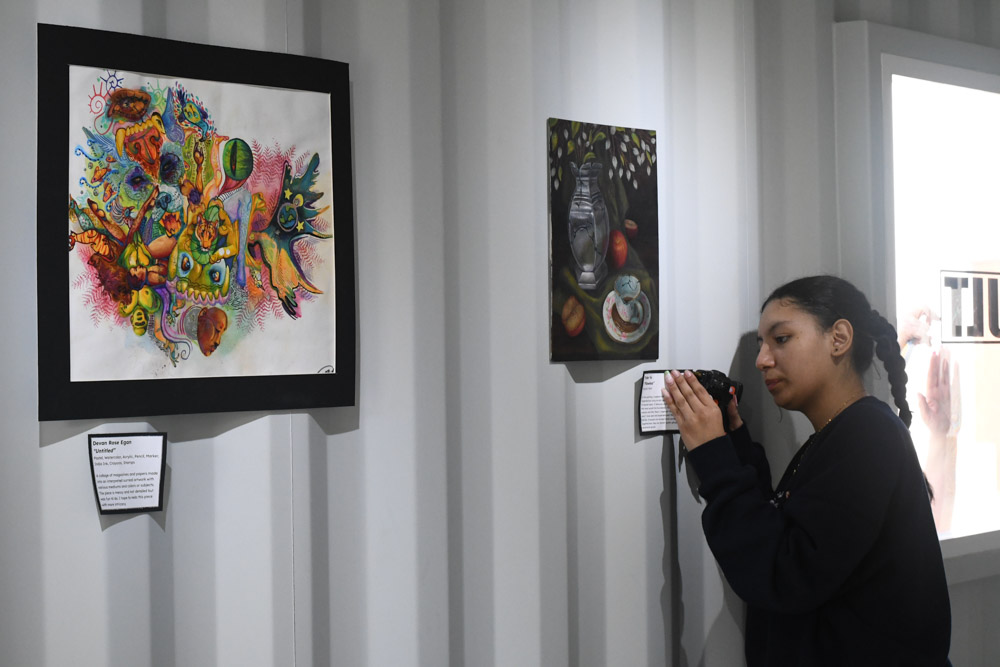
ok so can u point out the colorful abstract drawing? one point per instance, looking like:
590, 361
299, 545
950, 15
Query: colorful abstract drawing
603, 241
202, 217
196, 239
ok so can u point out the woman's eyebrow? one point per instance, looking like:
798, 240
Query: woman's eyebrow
770, 329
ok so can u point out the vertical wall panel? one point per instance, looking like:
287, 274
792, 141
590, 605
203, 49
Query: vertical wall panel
554, 478
22, 624
712, 232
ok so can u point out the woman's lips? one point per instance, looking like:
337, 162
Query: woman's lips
771, 385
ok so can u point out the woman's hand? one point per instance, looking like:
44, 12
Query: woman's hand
698, 416
935, 404
914, 329
942, 445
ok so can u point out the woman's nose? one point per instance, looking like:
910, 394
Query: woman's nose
764, 359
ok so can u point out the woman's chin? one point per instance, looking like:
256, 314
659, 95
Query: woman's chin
783, 400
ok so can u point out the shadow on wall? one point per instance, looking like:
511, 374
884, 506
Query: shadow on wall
596, 372
724, 641
181, 428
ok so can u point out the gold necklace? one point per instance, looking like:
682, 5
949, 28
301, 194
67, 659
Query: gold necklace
849, 401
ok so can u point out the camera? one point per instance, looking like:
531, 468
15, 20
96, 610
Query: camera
718, 384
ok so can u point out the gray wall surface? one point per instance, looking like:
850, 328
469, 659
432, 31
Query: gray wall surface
480, 506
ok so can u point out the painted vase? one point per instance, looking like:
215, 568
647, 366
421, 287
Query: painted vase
588, 226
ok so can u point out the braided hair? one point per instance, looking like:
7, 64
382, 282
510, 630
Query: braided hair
828, 299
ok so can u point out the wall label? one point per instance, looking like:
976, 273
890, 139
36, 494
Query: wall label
127, 471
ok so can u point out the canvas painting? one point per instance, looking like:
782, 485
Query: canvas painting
603, 242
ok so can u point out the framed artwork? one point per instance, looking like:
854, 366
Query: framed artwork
205, 195
603, 242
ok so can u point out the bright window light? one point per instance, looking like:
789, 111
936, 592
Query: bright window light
946, 210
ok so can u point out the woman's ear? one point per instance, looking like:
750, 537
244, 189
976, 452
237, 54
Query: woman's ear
841, 337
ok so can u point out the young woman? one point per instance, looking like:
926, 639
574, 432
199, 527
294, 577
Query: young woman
839, 564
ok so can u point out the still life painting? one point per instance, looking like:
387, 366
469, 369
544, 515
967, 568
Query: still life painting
200, 221
603, 242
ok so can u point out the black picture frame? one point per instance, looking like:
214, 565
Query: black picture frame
59, 398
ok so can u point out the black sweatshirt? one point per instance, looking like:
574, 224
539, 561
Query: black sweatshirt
844, 569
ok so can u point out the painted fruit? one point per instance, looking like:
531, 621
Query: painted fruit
573, 316
618, 249
631, 229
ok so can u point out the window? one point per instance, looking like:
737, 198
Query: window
945, 204
918, 199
